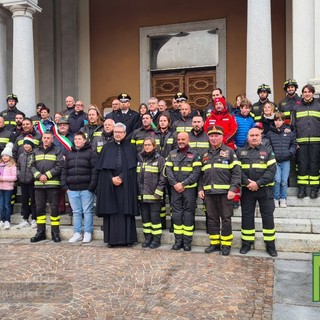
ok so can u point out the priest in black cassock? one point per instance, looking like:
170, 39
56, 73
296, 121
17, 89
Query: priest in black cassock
117, 200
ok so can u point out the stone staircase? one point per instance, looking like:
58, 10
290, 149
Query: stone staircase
297, 227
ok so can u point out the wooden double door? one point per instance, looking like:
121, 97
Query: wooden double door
197, 85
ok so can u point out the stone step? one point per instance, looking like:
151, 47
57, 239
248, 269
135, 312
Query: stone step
290, 224
285, 242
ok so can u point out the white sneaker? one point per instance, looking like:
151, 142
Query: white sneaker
76, 237
283, 203
6, 225
1, 224
23, 224
33, 224
87, 237
276, 203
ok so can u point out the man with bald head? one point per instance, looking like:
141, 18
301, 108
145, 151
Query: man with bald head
77, 118
182, 168
70, 104
257, 179
115, 110
185, 122
106, 136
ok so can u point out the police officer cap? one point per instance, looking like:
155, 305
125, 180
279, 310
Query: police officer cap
215, 130
124, 97
180, 96
12, 96
63, 120
264, 87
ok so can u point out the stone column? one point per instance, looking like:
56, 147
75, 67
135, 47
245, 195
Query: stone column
3, 58
303, 43
259, 47
23, 73
316, 80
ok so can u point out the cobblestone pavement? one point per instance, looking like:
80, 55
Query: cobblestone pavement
62, 281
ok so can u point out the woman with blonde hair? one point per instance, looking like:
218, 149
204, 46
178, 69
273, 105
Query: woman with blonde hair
94, 128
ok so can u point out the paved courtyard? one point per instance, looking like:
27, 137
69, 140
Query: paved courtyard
62, 281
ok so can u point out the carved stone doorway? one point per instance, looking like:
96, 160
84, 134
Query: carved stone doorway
197, 85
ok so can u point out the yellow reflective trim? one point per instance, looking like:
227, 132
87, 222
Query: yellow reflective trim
225, 238
197, 164
138, 169
217, 186
177, 231
151, 169
314, 183
48, 174
269, 238
4, 140
190, 186
215, 242
226, 243
156, 226
156, 232
175, 226
269, 231
248, 231
133, 141
214, 236
221, 165
206, 167
99, 148
162, 215
245, 166
190, 228
146, 230
159, 192
41, 219
314, 177
270, 162
247, 238
259, 165
47, 183
147, 224
169, 164
97, 134
149, 197
50, 157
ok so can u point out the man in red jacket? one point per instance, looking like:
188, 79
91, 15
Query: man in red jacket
220, 117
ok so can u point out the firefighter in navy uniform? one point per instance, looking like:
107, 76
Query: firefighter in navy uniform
258, 172
46, 169
263, 92
219, 180
9, 114
306, 120
291, 99
183, 169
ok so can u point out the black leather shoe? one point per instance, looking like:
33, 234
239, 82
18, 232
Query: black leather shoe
225, 250
314, 194
245, 248
177, 246
56, 237
38, 237
212, 248
272, 251
187, 247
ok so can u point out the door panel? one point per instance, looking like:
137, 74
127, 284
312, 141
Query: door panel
197, 85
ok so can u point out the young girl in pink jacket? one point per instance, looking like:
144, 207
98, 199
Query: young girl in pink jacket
8, 175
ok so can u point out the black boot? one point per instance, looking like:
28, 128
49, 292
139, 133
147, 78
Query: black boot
187, 243
41, 233
147, 240
314, 194
245, 248
156, 242
212, 248
301, 192
55, 233
178, 244
271, 249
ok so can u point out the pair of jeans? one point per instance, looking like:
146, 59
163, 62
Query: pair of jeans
280, 189
5, 205
82, 204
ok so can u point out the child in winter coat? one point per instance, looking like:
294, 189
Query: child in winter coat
25, 179
284, 145
8, 175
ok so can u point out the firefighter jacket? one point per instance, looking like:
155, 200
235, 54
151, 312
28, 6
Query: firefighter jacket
9, 116
18, 144
166, 141
5, 135
105, 138
287, 105
183, 125
257, 164
151, 181
306, 120
47, 162
227, 121
92, 132
199, 142
220, 172
140, 134
184, 167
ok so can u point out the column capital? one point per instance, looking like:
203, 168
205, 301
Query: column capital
29, 7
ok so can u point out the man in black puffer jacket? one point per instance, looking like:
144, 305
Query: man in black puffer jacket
79, 178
